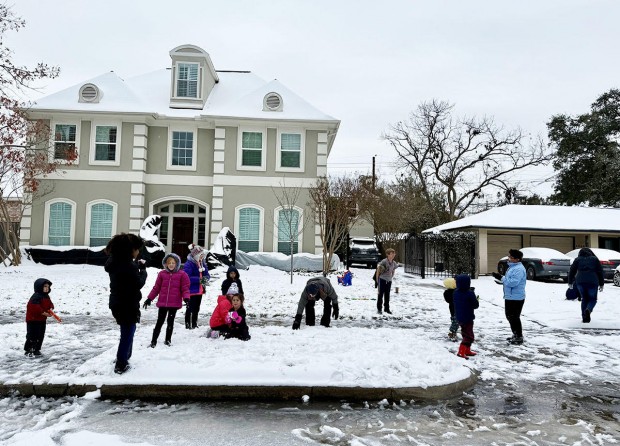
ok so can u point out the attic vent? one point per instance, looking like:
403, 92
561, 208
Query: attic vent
89, 93
272, 102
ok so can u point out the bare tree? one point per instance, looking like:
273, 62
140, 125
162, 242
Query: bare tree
461, 158
24, 145
291, 220
334, 202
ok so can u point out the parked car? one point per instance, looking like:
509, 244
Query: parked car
617, 276
609, 259
364, 250
541, 263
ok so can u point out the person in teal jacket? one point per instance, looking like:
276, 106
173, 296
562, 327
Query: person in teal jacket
514, 294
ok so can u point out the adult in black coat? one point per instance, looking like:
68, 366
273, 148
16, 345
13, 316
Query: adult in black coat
127, 277
586, 274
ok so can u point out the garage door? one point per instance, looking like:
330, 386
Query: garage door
498, 246
561, 243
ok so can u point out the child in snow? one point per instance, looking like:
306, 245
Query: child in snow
465, 302
36, 316
448, 296
232, 276
172, 287
345, 279
219, 325
236, 319
196, 269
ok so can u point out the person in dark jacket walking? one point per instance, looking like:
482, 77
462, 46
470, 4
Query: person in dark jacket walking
232, 276
315, 289
586, 273
36, 316
127, 277
465, 302
172, 287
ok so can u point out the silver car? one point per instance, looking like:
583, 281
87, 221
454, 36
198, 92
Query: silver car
541, 263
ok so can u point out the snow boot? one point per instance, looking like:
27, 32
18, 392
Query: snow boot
470, 352
517, 340
586, 316
462, 353
167, 342
153, 344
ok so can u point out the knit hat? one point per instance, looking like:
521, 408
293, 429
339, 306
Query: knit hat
195, 251
312, 289
450, 283
232, 289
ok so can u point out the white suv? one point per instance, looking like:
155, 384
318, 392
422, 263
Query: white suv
364, 250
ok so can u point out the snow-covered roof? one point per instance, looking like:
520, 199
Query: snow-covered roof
238, 94
540, 218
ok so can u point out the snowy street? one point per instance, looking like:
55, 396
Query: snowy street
560, 387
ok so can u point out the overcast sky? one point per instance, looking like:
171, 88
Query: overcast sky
367, 63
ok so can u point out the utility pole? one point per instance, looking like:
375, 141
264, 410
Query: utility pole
373, 175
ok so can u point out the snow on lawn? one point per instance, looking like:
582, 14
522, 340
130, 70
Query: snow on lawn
409, 348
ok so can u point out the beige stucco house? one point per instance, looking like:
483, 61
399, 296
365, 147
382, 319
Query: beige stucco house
203, 148
516, 226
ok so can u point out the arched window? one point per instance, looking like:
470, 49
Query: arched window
101, 226
60, 223
249, 232
288, 229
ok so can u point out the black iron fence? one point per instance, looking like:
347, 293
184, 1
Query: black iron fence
441, 255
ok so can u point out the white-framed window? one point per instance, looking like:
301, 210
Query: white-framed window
251, 153
65, 139
187, 80
59, 223
249, 220
105, 143
182, 149
290, 150
100, 222
289, 226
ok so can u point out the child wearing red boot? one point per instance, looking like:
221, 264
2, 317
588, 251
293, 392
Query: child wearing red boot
465, 302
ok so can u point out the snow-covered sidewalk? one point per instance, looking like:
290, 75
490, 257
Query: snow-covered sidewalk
407, 349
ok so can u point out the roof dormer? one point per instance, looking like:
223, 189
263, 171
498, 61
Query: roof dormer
193, 77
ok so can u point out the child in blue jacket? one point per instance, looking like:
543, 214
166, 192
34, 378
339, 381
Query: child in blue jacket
465, 302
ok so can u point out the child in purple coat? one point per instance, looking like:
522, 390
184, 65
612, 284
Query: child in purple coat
172, 286
196, 269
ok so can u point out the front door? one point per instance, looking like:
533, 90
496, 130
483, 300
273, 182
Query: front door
182, 236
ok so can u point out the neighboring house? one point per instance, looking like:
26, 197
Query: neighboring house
202, 148
517, 226
13, 206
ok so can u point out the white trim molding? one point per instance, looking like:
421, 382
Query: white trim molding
263, 132
302, 149
93, 142
78, 137
300, 229
189, 129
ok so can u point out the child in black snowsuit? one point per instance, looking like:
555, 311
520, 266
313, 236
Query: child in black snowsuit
465, 302
448, 296
36, 316
232, 276
238, 325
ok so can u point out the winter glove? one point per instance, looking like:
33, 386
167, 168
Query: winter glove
497, 276
600, 289
146, 304
297, 322
335, 311
204, 281
141, 264
235, 317
186, 302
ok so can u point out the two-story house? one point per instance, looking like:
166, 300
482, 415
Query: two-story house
203, 148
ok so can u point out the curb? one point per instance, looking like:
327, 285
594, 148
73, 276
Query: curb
226, 393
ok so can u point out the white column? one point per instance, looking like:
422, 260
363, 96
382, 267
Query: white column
217, 205
138, 190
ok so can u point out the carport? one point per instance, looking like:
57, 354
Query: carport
517, 226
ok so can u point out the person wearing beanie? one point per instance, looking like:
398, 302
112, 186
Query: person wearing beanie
172, 287
514, 294
317, 288
220, 321
448, 296
198, 272
232, 276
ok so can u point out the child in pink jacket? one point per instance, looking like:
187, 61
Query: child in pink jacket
172, 287
219, 323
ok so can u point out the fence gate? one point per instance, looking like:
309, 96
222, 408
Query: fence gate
441, 255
